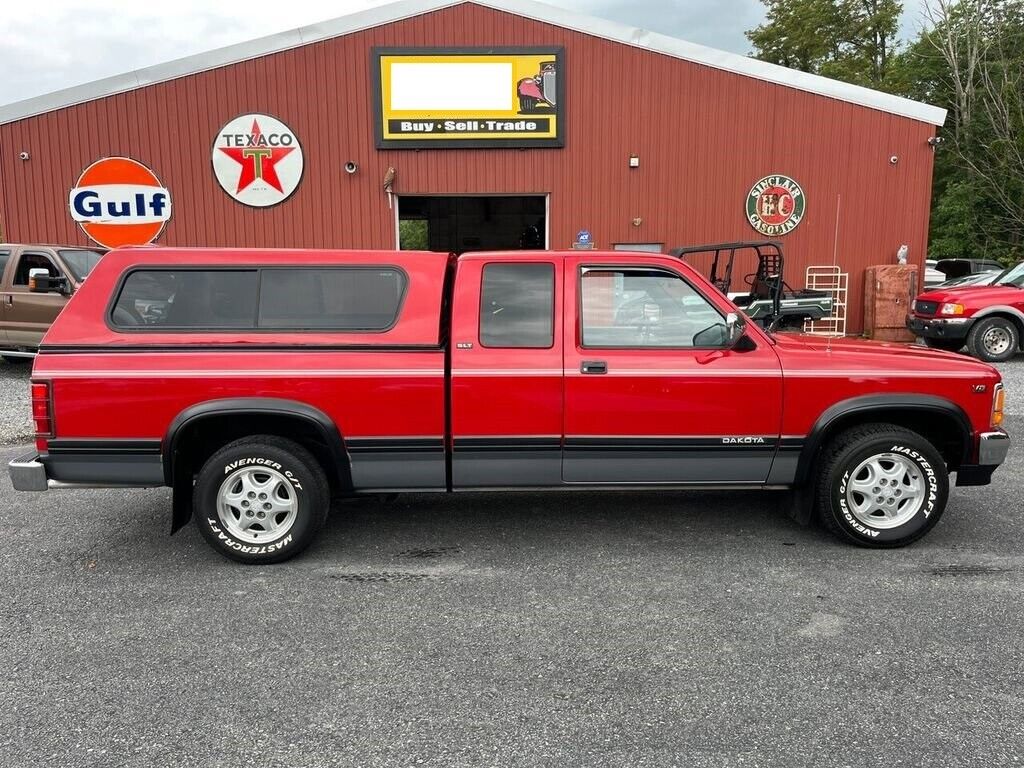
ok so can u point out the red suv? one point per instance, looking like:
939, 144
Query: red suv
260, 385
988, 319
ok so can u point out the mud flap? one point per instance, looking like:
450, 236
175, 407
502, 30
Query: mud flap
799, 504
181, 502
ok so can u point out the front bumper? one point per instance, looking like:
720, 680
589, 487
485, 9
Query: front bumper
940, 327
28, 473
992, 450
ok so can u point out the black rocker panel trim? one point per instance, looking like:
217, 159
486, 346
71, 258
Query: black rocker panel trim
105, 468
506, 462
397, 463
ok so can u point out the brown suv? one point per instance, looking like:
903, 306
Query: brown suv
36, 282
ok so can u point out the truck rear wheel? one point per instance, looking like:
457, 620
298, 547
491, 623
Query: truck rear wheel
993, 339
881, 486
261, 499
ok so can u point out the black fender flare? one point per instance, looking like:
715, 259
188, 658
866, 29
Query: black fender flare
867, 405
246, 406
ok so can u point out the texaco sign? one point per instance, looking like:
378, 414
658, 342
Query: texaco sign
775, 205
257, 160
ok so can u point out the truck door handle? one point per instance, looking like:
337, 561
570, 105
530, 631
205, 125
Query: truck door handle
9, 300
594, 366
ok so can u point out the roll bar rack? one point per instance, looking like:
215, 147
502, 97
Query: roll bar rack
768, 279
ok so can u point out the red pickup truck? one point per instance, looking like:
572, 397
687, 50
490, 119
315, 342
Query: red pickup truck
260, 385
987, 319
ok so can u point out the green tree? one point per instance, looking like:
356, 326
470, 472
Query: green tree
851, 40
971, 59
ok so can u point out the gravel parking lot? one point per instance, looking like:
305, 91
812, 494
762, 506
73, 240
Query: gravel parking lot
615, 629
15, 412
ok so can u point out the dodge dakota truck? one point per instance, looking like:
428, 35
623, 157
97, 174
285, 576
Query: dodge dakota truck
262, 385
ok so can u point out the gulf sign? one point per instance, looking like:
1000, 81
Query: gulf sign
119, 201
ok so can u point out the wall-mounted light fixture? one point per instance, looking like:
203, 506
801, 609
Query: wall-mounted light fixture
634, 161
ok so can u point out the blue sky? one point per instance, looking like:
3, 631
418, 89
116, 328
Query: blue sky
61, 43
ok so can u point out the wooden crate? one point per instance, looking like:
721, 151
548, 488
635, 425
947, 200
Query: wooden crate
888, 291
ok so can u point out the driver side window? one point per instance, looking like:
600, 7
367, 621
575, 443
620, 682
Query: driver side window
30, 261
645, 307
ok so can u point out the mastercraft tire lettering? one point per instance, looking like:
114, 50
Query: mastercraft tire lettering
261, 499
881, 486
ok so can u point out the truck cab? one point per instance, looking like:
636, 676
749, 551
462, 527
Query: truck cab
26, 312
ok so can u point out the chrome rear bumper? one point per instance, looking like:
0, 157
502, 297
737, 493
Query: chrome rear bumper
28, 473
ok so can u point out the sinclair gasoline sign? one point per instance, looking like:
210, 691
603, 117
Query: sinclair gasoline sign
482, 97
775, 205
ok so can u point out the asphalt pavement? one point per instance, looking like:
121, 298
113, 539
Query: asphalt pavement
645, 629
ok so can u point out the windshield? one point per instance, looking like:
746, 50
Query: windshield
80, 262
1013, 275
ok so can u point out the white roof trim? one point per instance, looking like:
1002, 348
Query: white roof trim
386, 14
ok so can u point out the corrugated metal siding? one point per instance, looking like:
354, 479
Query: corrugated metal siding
703, 137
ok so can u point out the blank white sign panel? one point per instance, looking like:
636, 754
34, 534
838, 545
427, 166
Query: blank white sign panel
451, 86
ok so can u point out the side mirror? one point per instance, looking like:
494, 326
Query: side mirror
40, 281
727, 335
734, 328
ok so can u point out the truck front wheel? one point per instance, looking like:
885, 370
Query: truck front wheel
261, 499
993, 339
881, 486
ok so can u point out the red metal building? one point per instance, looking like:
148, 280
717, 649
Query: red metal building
659, 142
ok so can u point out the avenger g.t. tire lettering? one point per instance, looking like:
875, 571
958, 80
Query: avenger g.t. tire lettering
881, 486
261, 499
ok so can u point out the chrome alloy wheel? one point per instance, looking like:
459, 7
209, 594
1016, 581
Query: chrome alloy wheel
996, 340
886, 490
257, 505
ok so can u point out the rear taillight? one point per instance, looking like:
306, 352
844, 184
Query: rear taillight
42, 408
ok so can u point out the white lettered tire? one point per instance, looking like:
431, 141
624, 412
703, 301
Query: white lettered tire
881, 486
261, 499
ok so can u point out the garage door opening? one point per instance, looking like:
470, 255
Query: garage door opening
472, 223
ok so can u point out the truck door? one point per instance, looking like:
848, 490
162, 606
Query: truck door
652, 393
5, 257
29, 315
506, 371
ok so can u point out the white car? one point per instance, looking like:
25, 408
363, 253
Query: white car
932, 276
